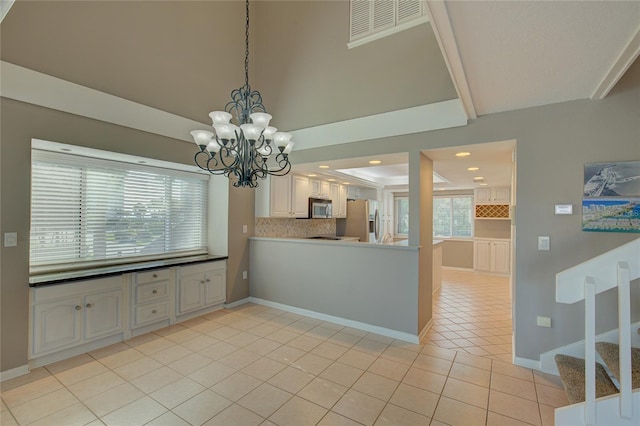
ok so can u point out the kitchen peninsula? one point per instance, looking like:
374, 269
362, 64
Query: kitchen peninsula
373, 287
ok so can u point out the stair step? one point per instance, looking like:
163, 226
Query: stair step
610, 353
571, 371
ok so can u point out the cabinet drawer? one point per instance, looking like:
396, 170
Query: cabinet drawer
153, 291
151, 313
152, 276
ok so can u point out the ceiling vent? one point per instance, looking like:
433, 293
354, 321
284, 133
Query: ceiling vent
374, 19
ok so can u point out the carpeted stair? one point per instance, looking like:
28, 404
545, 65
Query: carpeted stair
571, 371
610, 354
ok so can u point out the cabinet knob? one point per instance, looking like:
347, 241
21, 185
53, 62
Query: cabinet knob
154, 311
88, 305
208, 280
155, 275
77, 307
201, 281
155, 292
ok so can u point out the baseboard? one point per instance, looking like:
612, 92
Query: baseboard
400, 335
14, 372
527, 363
425, 330
236, 303
457, 268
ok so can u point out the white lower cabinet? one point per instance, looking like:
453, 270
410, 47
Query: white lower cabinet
151, 297
201, 286
77, 317
74, 314
490, 255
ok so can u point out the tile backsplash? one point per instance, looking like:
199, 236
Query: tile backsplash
283, 227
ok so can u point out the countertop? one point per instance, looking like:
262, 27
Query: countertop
346, 241
106, 271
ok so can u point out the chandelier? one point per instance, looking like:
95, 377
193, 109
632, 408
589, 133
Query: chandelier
249, 150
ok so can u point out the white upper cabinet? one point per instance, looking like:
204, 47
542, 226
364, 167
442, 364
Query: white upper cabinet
493, 195
289, 196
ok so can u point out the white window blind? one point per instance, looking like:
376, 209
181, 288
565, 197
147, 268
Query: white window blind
373, 19
88, 212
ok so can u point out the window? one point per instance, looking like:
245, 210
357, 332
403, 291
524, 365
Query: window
402, 215
90, 211
453, 217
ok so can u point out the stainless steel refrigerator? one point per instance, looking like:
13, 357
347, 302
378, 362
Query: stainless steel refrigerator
363, 221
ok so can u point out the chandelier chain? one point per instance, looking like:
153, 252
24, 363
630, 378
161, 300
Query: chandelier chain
246, 49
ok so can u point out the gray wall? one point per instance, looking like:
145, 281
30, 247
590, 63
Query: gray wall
20, 123
457, 254
553, 144
241, 212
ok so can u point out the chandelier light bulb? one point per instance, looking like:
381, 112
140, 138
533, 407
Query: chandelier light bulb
288, 148
213, 147
269, 132
261, 119
264, 150
251, 131
225, 131
282, 139
202, 137
220, 117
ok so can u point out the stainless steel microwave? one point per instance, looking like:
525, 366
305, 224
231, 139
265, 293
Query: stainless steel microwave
319, 208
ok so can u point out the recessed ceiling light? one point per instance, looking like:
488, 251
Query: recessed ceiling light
484, 184
463, 154
312, 175
375, 162
323, 166
331, 180
478, 178
346, 183
473, 169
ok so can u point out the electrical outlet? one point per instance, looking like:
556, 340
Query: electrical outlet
244, 275
543, 321
543, 243
244, 229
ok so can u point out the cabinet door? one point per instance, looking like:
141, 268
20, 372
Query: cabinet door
102, 314
500, 257
215, 287
342, 201
325, 189
501, 195
314, 188
335, 200
57, 325
483, 196
300, 196
482, 255
281, 196
191, 293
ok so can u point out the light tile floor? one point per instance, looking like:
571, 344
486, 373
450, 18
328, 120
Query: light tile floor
255, 365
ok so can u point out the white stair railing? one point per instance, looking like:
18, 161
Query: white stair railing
615, 268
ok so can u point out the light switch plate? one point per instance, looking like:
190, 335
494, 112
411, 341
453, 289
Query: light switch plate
543, 321
244, 229
10, 239
543, 243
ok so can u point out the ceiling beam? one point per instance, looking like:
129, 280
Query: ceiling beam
619, 67
441, 26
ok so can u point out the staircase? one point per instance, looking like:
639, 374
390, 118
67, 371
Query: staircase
591, 387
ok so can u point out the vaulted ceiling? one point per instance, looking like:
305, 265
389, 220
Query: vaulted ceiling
184, 57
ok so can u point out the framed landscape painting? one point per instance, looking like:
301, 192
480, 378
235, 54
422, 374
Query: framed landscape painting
611, 197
